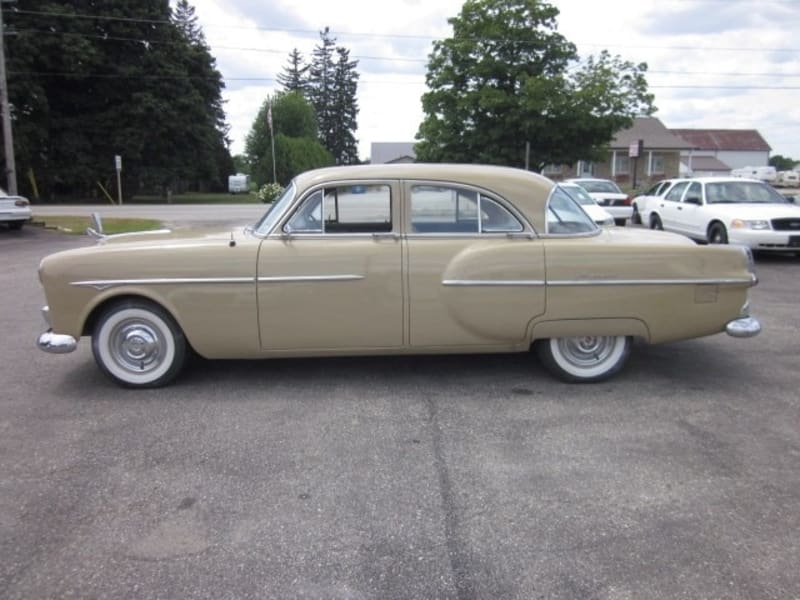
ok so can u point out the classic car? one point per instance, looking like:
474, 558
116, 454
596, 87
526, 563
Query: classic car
721, 210
395, 259
15, 211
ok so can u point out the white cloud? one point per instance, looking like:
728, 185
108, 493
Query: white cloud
700, 43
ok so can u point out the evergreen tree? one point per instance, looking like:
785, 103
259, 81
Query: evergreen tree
345, 107
294, 75
321, 81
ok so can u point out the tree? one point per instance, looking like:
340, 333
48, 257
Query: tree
129, 78
343, 144
297, 147
294, 75
321, 75
782, 163
503, 79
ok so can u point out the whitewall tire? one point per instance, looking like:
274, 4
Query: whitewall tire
584, 359
138, 344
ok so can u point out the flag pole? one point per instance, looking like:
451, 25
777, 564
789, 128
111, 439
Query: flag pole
272, 136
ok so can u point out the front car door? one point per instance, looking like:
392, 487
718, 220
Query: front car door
476, 269
330, 275
667, 207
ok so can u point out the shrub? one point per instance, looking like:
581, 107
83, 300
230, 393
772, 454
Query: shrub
269, 191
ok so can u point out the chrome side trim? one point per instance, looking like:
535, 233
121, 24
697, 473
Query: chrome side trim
104, 284
493, 282
584, 282
302, 278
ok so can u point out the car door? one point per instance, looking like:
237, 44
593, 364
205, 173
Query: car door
330, 277
475, 269
689, 213
667, 207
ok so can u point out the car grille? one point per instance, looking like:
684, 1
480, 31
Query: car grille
791, 224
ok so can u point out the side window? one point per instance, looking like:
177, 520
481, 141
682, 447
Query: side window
674, 195
440, 209
695, 190
345, 209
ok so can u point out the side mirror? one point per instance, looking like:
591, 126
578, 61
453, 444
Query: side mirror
288, 230
693, 200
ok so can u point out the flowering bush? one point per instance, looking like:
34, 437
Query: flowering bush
269, 191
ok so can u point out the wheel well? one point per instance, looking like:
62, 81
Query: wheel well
91, 320
712, 223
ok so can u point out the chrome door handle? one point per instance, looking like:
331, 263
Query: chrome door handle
384, 236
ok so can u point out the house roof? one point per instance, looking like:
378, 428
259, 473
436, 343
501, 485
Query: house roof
386, 152
654, 134
724, 139
705, 163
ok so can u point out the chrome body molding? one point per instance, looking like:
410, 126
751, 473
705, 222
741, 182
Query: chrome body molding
104, 284
698, 281
493, 282
302, 278
743, 327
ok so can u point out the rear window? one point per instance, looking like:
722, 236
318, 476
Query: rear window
599, 187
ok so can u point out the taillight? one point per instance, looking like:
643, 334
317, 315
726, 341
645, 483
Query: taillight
21, 202
627, 201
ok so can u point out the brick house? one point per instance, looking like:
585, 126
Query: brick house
660, 157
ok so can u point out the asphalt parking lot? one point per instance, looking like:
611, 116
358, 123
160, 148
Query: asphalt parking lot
428, 477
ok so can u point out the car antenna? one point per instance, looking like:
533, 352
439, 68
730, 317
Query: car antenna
232, 243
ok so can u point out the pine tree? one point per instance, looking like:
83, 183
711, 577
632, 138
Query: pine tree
345, 107
321, 81
294, 76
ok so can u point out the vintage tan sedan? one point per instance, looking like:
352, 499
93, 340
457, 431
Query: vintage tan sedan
395, 259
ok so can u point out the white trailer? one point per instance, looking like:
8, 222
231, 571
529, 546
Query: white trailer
768, 174
239, 183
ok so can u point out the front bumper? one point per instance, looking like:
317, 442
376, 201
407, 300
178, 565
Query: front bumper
55, 343
743, 327
766, 240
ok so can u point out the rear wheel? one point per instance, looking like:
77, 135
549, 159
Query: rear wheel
138, 344
655, 223
584, 359
636, 218
717, 234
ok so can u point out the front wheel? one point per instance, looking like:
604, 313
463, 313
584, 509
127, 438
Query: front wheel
717, 234
138, 344
584, 359
655, 223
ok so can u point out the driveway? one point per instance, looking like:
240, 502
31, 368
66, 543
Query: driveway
429, 477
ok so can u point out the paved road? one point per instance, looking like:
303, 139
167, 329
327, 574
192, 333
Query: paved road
436, 477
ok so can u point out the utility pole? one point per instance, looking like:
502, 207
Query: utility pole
8, 136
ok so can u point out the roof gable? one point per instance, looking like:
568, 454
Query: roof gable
654, 134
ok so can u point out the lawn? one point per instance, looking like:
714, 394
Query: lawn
78, 225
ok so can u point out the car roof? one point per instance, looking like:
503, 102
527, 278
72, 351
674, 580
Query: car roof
528, 191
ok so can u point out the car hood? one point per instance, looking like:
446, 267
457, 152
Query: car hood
171, 237
637, 235
755, 211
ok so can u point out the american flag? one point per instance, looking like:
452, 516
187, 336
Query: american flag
269, 117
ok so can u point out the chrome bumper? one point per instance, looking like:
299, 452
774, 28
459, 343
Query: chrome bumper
743, 327
55, 343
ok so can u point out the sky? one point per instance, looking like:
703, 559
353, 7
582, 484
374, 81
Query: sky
712, 64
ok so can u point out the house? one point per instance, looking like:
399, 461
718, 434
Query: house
392, 152
719, 151
658, 157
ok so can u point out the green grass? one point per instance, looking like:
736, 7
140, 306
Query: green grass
78, 225
197, 198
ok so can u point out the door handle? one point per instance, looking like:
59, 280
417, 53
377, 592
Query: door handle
680, 208
384, 236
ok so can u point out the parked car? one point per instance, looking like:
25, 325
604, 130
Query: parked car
608, 195
426, 259
730, 210
15, 211
643, 203
597, 213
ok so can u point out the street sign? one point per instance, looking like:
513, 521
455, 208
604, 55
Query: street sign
118, 162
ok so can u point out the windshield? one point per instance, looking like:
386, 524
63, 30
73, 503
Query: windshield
579, 194
564, 214
599, 186
742, 192
270, 218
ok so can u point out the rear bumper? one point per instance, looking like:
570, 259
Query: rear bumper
743, 327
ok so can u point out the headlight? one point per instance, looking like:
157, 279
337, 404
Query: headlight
755, 224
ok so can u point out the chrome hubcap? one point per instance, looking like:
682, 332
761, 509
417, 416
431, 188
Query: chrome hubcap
137, 346
587, 350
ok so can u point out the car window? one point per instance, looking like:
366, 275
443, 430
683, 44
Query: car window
579, 194
674, 195
695, 191
445, 209
733, 192
270, 218
564, 214
599, 186
344, 209
653, 189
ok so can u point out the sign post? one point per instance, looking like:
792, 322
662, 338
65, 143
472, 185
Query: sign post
118, 166
634, 152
